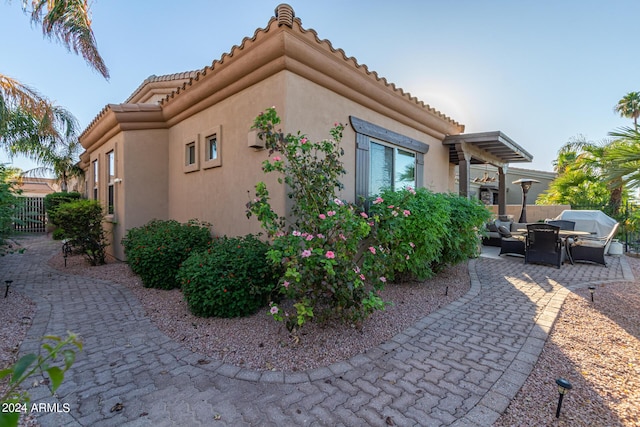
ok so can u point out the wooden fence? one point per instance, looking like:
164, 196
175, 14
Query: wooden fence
30, 217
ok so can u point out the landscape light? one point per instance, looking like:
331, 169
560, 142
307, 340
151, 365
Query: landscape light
8, 283
563, 388
592, 290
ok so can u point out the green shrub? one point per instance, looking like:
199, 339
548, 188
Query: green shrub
81, 222
53, 200
413, 225
9, 202
232, 278
156, 250
467, 217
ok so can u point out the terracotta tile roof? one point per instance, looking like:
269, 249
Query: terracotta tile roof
165, 78
235, 50
194, 76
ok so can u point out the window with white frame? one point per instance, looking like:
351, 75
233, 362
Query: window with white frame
191, 154
212, 148
95, 180
111, 175
191, 161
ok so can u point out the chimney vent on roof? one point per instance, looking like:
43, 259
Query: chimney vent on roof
285, 15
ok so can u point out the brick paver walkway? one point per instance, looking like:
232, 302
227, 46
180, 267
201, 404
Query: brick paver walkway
459, 366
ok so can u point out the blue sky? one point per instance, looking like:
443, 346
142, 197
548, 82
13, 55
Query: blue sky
540, 71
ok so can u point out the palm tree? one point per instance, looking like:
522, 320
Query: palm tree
629, 107
62, 162
584, 172
69, 22
625, 157
26, 117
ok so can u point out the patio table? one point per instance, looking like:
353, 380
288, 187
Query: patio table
564, 234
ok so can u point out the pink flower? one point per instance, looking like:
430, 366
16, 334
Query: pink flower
338, 202
407, 257
303, 140
330, 255
378, 200
362, 277
364, 215
296, 233
383, 279
372, 250
286, 284
331, 213
309, 237
322, 216
320, 236
276, 158
406, 212
274, 310
412, 244
394, 213
357, 269
306, 253
371, 223
342, 236
391, 206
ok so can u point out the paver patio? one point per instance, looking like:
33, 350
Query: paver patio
458, 366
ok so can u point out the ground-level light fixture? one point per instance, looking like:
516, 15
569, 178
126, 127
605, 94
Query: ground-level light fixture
525, 183
563, 388
7, 283
592, 290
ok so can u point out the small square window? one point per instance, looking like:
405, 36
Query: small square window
191, 163
212, 148
191, 154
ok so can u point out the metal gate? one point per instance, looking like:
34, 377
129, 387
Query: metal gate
30, 216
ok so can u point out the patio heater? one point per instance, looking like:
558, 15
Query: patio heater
525, 183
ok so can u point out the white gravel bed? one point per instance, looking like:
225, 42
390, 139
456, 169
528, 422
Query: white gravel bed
259, 342
596, 346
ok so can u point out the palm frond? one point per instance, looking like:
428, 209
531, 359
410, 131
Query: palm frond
68, 21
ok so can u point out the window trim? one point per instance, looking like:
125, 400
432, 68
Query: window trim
394, 158
191, 142
96, 175
110, 171
367, 130
206, 136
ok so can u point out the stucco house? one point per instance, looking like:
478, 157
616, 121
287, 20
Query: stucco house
181, 146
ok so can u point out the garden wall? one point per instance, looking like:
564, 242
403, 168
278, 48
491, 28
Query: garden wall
535, 213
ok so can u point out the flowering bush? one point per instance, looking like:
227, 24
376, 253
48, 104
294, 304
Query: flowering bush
231, 278
332, 269
156, 250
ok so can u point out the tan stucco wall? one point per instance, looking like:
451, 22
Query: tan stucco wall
219, 195
314, 109
535, 213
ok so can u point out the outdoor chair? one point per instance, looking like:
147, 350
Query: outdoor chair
592, 249
543, 245
510, 244
563, 224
